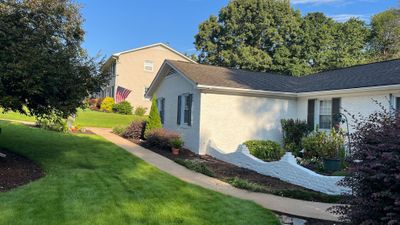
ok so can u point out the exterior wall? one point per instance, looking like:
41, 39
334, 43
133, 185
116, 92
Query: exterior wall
356, 103
130, 72
230, 120
170, 88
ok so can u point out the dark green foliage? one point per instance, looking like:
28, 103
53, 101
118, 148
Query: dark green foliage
309, 196
161, 138
123, 107
135, 130
245, 184
265, 150
293, 132
195, 166
42, 64
269, 35
154, 120
140, 111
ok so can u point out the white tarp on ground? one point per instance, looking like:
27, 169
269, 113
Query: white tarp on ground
285, 169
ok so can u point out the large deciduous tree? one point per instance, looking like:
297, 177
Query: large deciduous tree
261, 35
42, 65
269, 35
386, 34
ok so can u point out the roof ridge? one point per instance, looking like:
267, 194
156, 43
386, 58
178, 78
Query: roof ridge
223, 67
353, 66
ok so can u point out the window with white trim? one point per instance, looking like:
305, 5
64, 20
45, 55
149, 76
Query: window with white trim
325, 114
148, 65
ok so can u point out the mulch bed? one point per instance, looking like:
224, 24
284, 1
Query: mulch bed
16, 170
224, 171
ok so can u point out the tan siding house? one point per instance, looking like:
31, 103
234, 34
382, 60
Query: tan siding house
135, 69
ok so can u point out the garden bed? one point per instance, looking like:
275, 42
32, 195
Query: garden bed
16, 170
240, 177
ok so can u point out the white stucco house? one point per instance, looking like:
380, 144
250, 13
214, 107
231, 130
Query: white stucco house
226, 107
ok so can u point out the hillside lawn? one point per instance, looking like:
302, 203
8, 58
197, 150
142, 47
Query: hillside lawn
85, 118
92, 181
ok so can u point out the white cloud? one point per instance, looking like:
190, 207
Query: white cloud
345, 17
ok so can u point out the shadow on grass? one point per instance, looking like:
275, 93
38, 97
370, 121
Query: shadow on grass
92, 181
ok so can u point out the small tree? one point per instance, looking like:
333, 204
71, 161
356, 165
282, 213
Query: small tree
374, 172
154, 121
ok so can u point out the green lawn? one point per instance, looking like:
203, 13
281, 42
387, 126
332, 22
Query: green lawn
85, 118
91, 181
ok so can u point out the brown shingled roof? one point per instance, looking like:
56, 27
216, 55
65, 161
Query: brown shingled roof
368, 75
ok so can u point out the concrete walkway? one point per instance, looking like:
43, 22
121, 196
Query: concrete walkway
290, 206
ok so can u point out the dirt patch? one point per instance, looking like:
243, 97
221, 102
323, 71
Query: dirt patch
225, 171
16, 170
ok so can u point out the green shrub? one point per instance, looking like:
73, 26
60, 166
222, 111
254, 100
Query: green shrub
245, 184
313, 144
53, 123
107, 104
140, 111
176, 143
154, 120
265, 150
293, 132
308, 196
195, 166
119, 130
321, 144
123, 107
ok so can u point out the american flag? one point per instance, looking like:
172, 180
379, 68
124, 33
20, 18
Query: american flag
122, 94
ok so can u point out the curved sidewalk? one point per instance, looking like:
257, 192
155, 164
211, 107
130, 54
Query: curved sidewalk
290, 206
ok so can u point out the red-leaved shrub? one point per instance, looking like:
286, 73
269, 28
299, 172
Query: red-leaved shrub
161, 137
135, 130
374, 172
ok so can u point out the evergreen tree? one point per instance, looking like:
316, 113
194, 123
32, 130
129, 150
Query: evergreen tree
154, 120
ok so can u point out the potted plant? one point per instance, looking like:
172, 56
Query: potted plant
333, 145
176, 145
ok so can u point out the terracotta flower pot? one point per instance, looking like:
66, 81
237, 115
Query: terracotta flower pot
175, 151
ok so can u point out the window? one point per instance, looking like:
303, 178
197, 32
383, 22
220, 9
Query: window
184, 115
398, 104
161, 108
148, 65
325, 114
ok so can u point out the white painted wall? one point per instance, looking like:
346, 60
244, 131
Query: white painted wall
354, 103
230, 120
170, 88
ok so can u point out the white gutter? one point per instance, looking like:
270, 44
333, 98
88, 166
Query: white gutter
350, 90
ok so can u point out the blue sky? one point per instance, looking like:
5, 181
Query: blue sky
117, 25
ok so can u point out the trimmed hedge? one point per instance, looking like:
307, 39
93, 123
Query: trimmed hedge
265, 150
123, 107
